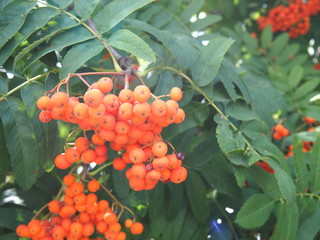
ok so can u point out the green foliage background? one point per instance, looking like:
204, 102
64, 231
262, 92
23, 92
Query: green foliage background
236, 88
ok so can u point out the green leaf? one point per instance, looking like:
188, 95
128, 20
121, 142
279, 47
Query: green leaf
35, 20
255, 211
310, 227
306, 88
181, 50
78, 55
241, 111
300, 164
295, 76
289, 51
85, 8
193, 7
176, 199
285, 182
287, 223
190, 225
238, 157
132, 43
196, 193
256, 126
279, 44
30, 94
21, 141
156, 198
121, 184
220, 176
207, 63
174, 227
205, 22
166, 82
11, 217
12, 18
266, 37
115, 12
315, 166
9, 236
58, 24
5, 158
60, 3
67, 38
241, 175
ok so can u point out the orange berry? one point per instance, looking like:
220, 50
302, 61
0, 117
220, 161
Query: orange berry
141, 93
88, 229
77, 188
119, 164
178, 175
101, 227
278, 128
110, 218
161, 163
152, 176
81, 144
159, 149
309, 120
101, 150
101, 159
68, 200
105, 84
172, 107
81, 110
34, 226
44, 103
159, 108
138, 170
137, 155
126, 96
176, 94
136, 228
58, 232
93, 97
125, 111
72, 155
54, 206
76, 229
128, 223
97, 140
93, 186
45, 116
88, 156
142, 110
110, 235
67, 211
137, 184
80, 198
179, 118
173, 161
59, 100
165, 175
115, 227
97, 112
111, 102
121, 236
23, 231
69, 179
61, 162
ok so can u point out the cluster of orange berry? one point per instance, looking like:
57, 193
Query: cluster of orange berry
128, 122
306, 145
294, 18
280, 132
78, 216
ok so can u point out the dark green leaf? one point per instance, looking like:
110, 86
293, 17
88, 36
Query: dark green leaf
255, 211
193, 7
58, 24
85, 8
241, 175
5, 158
289, 51
207, 63
279, 44
310, 227
285, 182
11, 217
12, 18
132, 43
67, 38
241, 111
300, 164
120, 183
255, 125
176, 199
21, 141
306, 88
205, 22
78, 55
295, 76
30, 94
174, 227
196, 192
115, 12
181, 50
190, 225
266, 37
238, 157
35, 20
60, 3
287, 222
166, 82
315, 166
156, 201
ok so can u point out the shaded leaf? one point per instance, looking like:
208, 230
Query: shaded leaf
266, 37
279, 44
310, 227
205, 22
85, 8
255, 211
315, 166
241, 111
11, 217
78, 55
115, 12
295, 76
12, 18
306, 88
21, 141
207, 63
120, 183
60, 3
196, 193
132, 43
193, 7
